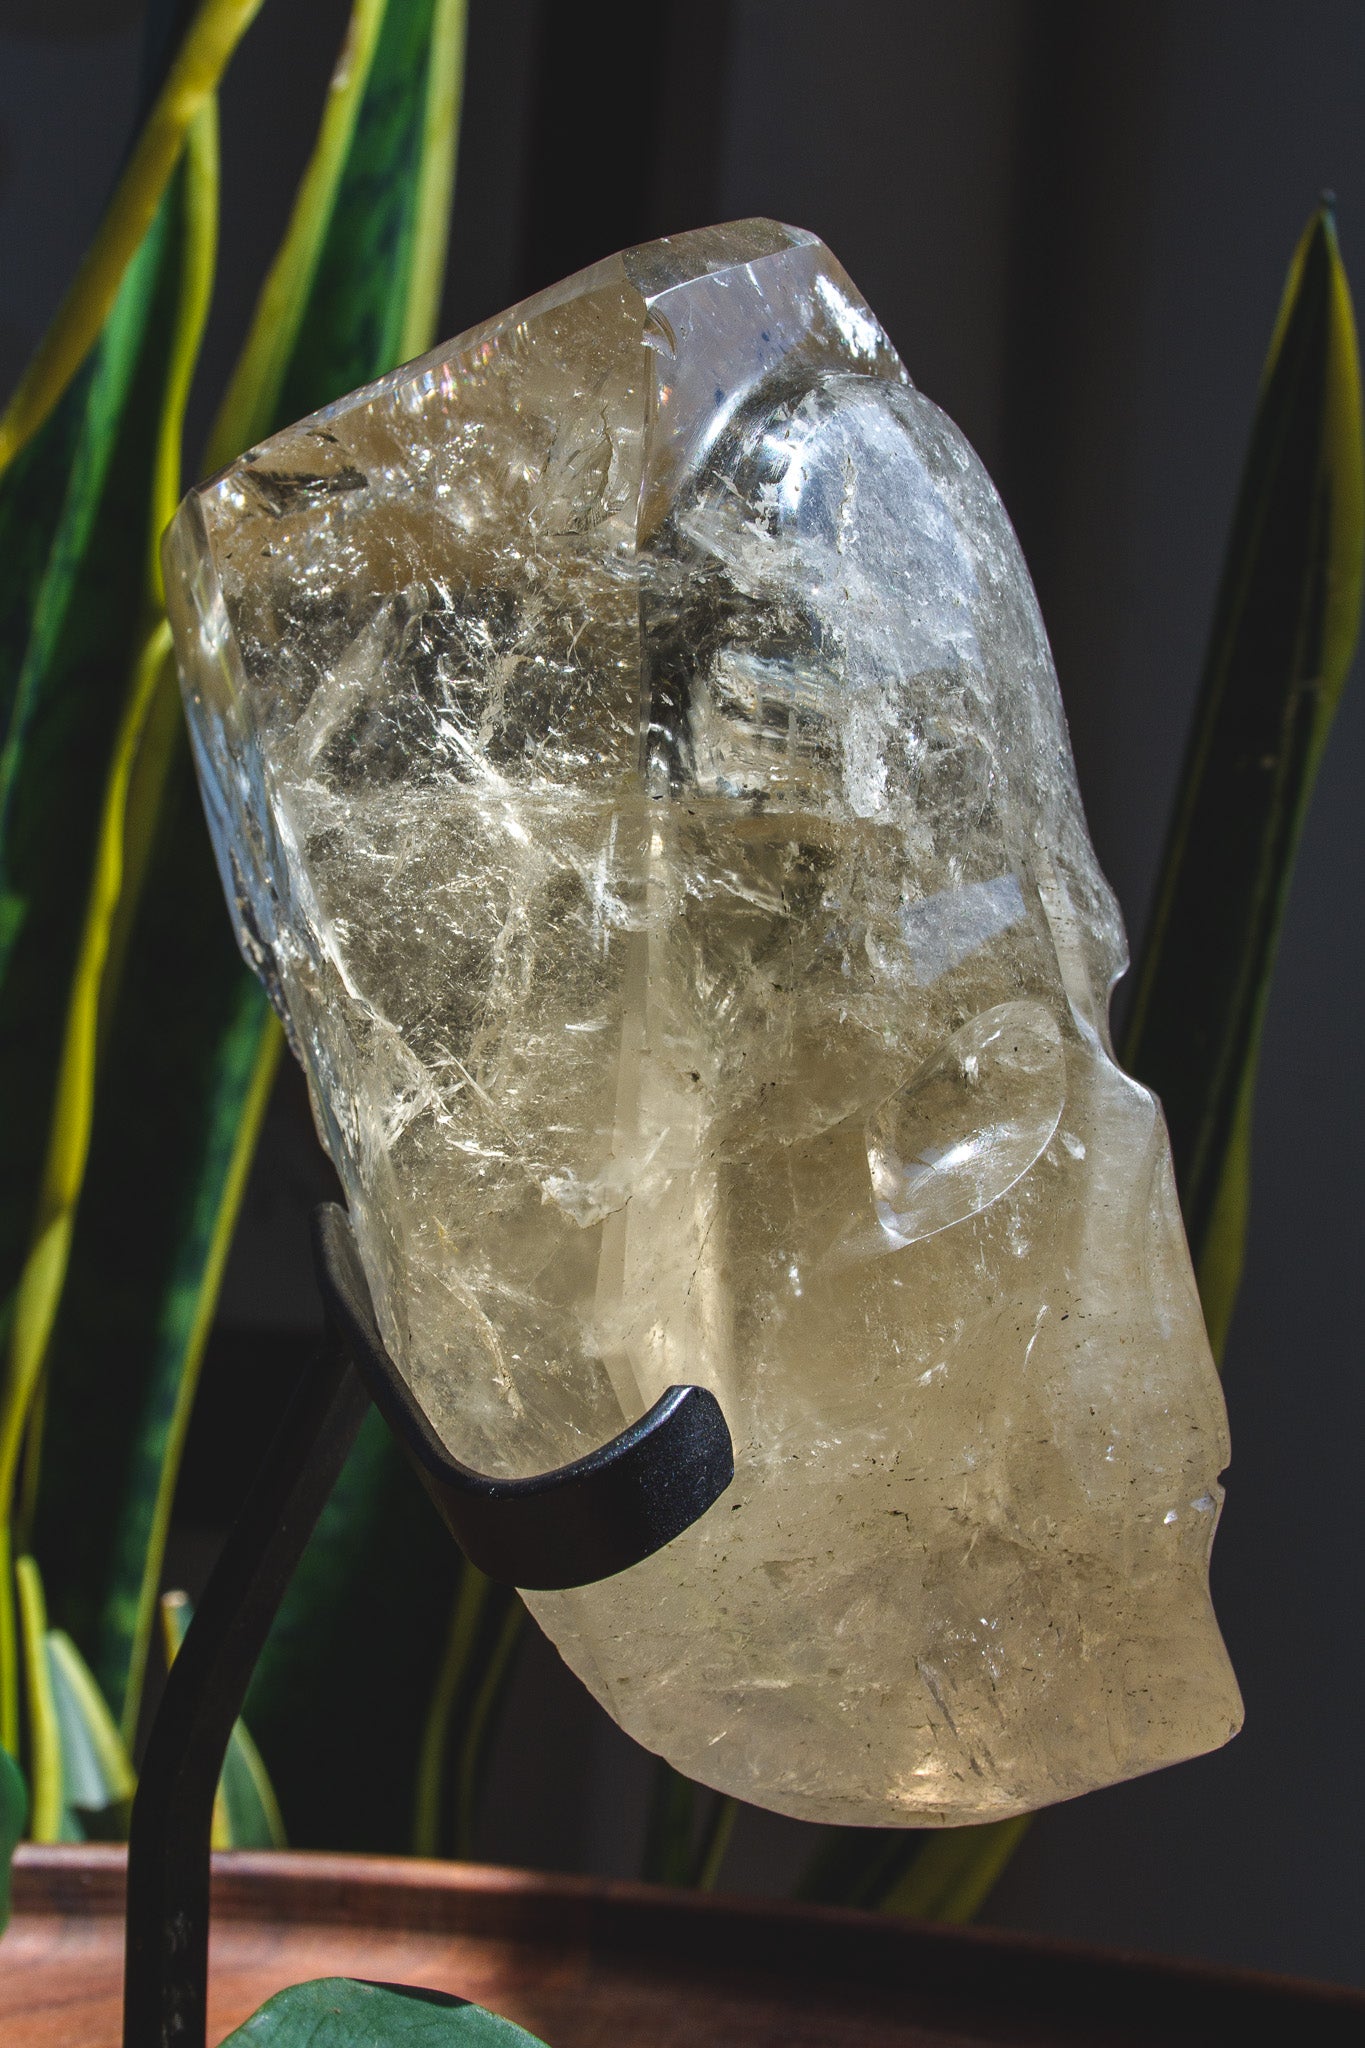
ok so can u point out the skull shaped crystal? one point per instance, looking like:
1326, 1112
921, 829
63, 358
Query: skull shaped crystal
637, 771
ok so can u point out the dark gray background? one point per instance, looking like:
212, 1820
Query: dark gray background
1074, 221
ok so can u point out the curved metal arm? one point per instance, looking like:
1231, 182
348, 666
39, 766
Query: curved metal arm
583, 1522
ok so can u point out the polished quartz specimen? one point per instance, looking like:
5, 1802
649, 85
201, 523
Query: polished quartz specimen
637, 772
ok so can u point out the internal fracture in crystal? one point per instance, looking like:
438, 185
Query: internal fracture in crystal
637, 771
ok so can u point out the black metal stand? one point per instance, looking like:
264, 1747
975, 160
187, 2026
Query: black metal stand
166, 1970
584, 1522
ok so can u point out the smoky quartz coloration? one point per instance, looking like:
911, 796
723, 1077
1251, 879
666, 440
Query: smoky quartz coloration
637, 771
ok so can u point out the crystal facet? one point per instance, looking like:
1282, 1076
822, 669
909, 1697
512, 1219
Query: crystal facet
638, 773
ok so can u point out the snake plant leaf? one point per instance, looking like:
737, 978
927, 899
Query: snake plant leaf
246, 1813
670, 1827
857, 1866
338, 2012
83, 1780
485, 1627
355, 287
377, 286
1285, 628
87, 312
186, 1079
1284, 634
77, 939
357, 1646
75, 534
944, 1875
88, 659
954, 1872
13, 1819
380, 1570
476, 1727
680, 1848
251, 1817
51, 1819
97, 1773
192, 1046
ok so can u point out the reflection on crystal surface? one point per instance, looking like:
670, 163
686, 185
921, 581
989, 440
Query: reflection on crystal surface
636, 766
972, 1123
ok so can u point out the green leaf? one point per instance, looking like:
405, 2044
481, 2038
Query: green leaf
342, 2012
954, 1872
368, 1609
475, 1728
246, 1813
52, 1819
90, 306
355, 286
858, 1866
75, 537
1284, 633
189, 1078
944, 1874
484, 1629
670, 1827
377, 285
687, 1832
251, 404
350, 283
339, 1701
83, 1778
251, 1812
77, 610
97, 1773
13, 1817
192, 1046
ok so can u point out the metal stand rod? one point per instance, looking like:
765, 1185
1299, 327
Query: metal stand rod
165, 1993
581, 1522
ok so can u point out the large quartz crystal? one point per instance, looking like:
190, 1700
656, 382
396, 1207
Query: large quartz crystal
637, 771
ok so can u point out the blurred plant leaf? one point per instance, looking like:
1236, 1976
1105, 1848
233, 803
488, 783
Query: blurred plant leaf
955, 1871
377, 285
338, 2012
251, 404
193, 1027
1285, 628
75, 760
857, 1866
687, 1832
82, 1775
479, 1725
715, 1840
484, 1628
13, 1820
364, 1621
144, 1273
85, 312
51, 1820
356, 283
380, 1570
246, 1813
670, 1827
75, 535
1284, 634
930, 1875
97, 1773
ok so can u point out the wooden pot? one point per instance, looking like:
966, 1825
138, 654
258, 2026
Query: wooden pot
592, 1965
